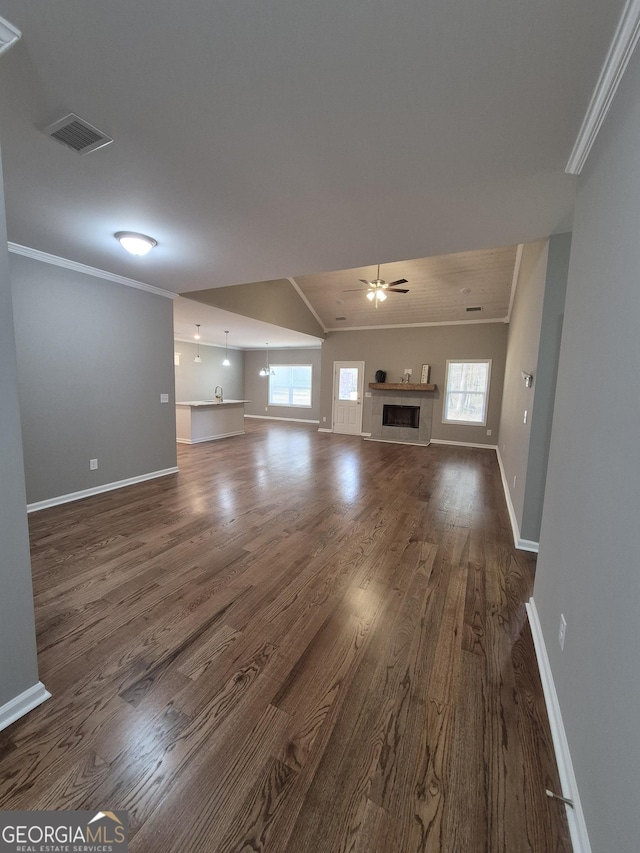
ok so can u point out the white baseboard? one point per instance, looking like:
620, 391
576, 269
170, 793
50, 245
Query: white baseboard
464, 444
98, 490
519, 543
391, 441
575, 815
365, 434
209, 437
324, 429
22, 704
272, 418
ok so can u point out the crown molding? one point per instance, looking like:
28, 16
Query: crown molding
419, 325
55, 261
620, 50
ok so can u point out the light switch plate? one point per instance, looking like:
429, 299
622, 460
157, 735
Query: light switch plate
164, 398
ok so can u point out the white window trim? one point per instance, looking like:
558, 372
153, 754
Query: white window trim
291, 405
446, 420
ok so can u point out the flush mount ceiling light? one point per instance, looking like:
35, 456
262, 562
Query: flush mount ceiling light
197, 359
267, 371
135, 244
226, 362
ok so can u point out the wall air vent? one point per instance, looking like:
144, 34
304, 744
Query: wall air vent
475, 308
78, 134
341, 318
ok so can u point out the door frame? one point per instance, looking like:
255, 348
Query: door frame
361, 367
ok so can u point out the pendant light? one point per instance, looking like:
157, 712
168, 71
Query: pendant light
226, 362
267, 371
197, 359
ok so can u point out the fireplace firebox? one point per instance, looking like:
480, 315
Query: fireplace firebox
406, 417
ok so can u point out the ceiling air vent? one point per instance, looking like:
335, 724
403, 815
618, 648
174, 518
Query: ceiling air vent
341, 318
78, 134
9, 35
475, 308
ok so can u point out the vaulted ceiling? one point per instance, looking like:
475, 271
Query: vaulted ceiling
264, 141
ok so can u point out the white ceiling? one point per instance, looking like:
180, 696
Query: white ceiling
244, 332
260, 141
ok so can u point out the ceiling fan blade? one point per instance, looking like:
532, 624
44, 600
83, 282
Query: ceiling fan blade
399, 281
364, 281
397, 290
355, 290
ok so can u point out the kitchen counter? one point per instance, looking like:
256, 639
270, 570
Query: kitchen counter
209, 420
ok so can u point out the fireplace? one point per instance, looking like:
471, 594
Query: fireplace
401, 417
405, 417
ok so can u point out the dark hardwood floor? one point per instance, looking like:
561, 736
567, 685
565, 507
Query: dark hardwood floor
301, 642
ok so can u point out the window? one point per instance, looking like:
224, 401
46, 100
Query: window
290, 385
467, 392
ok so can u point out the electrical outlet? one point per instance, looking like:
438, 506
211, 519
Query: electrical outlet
164, 398
266, 409
93, 464
408, 371
488, 432
562, 631
515, 477
504, 447
525, 416
324, 420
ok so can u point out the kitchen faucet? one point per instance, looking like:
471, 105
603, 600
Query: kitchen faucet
218, 393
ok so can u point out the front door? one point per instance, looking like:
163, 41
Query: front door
348, 381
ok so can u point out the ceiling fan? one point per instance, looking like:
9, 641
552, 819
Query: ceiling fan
378, 288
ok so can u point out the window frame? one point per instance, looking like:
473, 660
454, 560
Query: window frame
445, 419
291, 405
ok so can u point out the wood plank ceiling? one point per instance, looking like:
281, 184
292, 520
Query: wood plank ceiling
440, 290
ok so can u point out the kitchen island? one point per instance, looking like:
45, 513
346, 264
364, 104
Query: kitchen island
209, 420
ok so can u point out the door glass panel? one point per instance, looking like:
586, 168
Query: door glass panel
348, 384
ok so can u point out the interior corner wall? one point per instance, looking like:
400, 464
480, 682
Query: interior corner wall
93, 359
555, 291
588, 562
198, 381
18, 664
522, 355
393, 350
256, 387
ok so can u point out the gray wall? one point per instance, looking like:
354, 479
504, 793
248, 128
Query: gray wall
198, 381
257, 387
588, 563
535, 331
394, 349
18, 665
522, 354
276, 302
545, 383
93, 358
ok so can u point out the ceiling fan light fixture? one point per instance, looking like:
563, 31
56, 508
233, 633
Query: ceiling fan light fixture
135, 244
371, 295
380, 295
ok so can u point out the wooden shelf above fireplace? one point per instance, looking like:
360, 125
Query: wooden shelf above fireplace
402, 386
